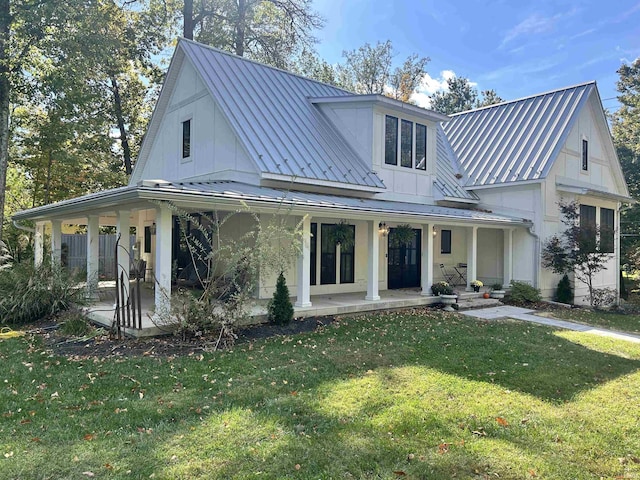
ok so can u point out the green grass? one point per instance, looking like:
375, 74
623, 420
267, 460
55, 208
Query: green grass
424, 396
614, 321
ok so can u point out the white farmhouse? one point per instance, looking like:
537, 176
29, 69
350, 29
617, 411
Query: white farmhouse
480, 188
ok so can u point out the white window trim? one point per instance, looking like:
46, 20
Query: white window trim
414, 133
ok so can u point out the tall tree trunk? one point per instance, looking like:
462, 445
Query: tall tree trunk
187, 14
124, 138
47, 185
5, 88
241, 27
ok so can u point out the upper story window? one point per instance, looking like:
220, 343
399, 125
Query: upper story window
406, 144
585, 155
421, 147
408, 147
391, 140
186, 138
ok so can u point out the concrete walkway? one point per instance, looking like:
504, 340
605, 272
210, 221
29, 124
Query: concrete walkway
527, 315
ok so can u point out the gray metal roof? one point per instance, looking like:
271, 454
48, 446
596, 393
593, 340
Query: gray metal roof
518, 140
246, 192
281, 129
446, 170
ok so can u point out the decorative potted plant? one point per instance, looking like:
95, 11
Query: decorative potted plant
446, 294
497, 291
476, 284
342, 234
402, 235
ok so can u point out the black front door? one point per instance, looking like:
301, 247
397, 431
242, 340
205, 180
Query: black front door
404, 262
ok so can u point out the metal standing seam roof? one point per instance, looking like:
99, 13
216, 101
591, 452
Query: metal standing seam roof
242, 191
446, 170
270, 112
515, 141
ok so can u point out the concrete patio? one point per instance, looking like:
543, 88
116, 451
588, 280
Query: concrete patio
102, 311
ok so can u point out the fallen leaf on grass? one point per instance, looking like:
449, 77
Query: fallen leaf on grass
89, 474
443, 448
502, 421
400, 473
298, 467
89, 436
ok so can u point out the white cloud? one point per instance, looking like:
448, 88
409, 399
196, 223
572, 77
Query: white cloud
429, 86
535, 24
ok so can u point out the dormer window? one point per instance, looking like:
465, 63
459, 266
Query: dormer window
421, 147
408, 146
391, 140
186, 139
585, 155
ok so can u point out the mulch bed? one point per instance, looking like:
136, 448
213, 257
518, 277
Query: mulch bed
103, 346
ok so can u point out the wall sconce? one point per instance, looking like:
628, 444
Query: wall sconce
383, 229
434, 231
152, 228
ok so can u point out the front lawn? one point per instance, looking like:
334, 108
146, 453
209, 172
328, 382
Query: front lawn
614, 321
422, 396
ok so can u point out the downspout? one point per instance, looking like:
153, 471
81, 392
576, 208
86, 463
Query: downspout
536, 254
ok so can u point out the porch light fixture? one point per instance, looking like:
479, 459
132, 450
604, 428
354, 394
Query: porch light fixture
383, 229
434, 232
152, 228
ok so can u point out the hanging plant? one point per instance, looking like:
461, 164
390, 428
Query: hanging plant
342, 234
402, 235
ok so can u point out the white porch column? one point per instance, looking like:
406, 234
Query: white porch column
39, 244
162, 268
93, 253
472, 256
122, 229
304, 266
427, 259
507, 276
56, 241
373, 264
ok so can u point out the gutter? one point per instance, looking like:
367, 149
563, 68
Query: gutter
22, 227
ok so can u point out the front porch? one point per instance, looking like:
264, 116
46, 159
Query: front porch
102, 311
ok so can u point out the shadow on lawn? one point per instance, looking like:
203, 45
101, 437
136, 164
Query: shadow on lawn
257, 421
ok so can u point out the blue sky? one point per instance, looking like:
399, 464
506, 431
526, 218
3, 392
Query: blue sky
518, 48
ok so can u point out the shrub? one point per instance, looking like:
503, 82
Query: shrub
74, 323
28, 293
524, 293
564, 292
441, 288
496, 286
280, 309
603, 297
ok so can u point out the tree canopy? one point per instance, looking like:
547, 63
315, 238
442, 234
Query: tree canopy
460, 96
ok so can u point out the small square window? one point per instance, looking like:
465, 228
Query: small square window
186, 138
585, 155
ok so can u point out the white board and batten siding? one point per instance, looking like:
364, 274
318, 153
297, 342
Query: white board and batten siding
216, 152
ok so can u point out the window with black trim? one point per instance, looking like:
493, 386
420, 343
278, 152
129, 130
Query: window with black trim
445, 241
327, 255
585, 155
147, 239
186, 138
347, 259
406, 144
421, 147
313, 253
391, 140
588, 228
607, 226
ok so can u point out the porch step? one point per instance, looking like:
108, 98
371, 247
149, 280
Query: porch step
468, 302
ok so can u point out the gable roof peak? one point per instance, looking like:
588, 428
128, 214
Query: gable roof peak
529, 97
260, 64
